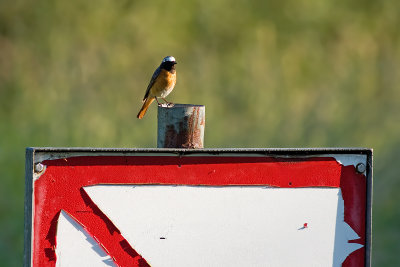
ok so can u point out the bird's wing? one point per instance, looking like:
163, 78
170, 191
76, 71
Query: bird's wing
153, 79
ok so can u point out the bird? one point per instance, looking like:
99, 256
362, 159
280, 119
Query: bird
161, 84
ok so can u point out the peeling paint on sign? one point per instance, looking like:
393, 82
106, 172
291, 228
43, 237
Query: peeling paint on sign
62, 186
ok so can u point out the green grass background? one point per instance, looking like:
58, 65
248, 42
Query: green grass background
272, 73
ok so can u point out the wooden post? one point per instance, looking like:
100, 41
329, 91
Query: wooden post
181, 126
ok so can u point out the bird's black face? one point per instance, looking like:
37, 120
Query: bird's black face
168, 65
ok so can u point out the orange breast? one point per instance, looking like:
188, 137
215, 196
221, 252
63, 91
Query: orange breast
164, 83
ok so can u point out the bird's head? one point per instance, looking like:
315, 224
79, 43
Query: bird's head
168, 63
169, 59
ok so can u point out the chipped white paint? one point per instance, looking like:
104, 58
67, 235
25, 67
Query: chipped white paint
344, 233
37, 173
229, 226
349, 159
75, 247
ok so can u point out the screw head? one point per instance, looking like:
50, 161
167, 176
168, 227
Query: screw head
39, 167
360, 168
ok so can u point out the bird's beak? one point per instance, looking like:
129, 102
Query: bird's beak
175, 62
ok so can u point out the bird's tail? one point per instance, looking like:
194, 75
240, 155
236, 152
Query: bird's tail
145, 106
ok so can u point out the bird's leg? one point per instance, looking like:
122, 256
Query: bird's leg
158, 103
168, 103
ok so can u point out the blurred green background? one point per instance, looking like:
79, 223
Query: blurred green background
272, 73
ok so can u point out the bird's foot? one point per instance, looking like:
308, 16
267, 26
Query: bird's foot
166, 105
169, 104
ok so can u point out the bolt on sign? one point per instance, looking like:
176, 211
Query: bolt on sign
208, 207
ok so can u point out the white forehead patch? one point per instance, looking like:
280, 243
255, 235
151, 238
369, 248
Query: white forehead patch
169, 58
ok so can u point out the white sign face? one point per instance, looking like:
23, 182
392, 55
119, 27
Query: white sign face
75, 247
206, 226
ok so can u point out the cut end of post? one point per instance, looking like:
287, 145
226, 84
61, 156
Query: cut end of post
181, 126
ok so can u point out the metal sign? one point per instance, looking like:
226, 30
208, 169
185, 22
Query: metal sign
208, 207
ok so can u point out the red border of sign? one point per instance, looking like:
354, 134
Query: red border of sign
61, 186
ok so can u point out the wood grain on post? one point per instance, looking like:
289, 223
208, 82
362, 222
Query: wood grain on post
181, 126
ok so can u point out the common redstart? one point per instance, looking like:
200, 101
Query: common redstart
161, 84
